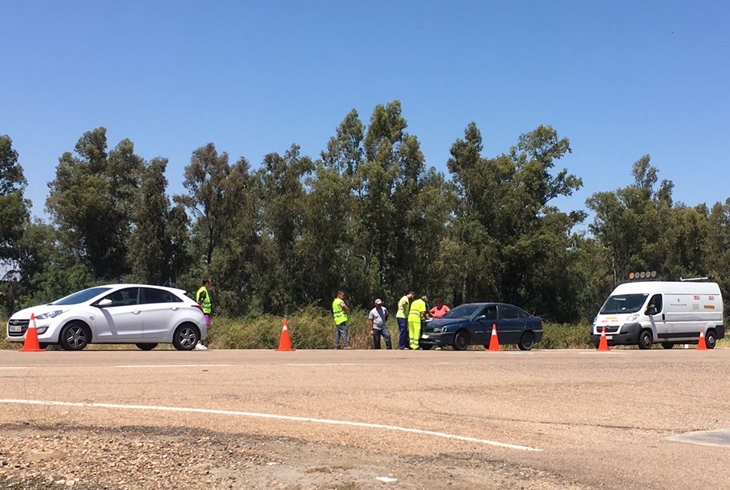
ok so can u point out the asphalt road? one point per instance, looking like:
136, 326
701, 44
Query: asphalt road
586, 419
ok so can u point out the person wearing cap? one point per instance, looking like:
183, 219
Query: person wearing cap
402, 318
417, 313
378, 318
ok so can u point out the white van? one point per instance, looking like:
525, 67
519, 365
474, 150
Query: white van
648, 312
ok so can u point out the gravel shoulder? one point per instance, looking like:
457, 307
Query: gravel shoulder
134, 457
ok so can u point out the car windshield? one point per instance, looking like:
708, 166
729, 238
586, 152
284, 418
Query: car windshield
81, 296
623, 303
462, 311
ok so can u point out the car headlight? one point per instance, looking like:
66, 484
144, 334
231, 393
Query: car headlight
49, 314
632, 317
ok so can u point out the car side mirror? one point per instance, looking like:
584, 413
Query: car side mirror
104, 302
651, 311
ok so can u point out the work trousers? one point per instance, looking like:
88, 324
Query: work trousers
385, 333
341, 334
414, 331
402, 333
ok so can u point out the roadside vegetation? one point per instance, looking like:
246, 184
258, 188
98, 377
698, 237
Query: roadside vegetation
367, 215
312, 328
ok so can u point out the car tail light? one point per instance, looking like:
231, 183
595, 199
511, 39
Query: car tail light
198, 307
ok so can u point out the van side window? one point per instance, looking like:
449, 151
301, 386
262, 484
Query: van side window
656, 302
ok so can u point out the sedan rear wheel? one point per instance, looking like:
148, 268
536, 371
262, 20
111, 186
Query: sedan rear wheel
527, 340
186, 337
461, 340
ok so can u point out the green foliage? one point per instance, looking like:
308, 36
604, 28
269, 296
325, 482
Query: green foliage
310, 328
562, 336
14, 209
368, 216
91, 202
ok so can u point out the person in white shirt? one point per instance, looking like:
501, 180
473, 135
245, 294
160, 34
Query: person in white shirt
378, 318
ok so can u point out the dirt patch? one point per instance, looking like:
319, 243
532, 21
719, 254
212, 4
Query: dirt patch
102, 458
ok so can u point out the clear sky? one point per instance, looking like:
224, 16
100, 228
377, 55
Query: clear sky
620, 79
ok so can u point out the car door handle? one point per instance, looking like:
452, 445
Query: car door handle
663, 317
136, 312
174, 308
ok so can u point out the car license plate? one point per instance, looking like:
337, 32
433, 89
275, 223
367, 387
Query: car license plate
609, 337
424, 336
15, 328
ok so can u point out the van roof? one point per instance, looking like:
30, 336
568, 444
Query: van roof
675, 287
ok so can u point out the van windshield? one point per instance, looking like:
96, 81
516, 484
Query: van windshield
623, 303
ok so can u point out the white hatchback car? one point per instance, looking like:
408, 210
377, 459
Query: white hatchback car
115, 314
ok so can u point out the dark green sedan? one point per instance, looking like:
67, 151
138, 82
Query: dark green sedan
471, 324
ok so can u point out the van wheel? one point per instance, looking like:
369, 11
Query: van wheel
645, 339
710, 339
667, 345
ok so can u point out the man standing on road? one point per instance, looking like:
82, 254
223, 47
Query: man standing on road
339, 311
402, 318
415, 315
202, 297
378, 317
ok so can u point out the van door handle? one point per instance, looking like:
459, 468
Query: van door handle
663, 317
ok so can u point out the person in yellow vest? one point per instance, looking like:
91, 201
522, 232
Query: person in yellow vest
339, 311
401, 317
415, 315
202, 297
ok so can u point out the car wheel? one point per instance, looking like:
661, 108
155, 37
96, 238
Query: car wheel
74, 336
527, 340
645, 339
146, 346
186, 337
667, 345
710, 339
461, 340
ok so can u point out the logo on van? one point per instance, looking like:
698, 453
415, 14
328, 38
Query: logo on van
697, 298
709, 307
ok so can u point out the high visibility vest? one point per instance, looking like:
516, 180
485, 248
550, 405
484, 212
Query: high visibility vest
205, 303
339, 314
403, 306
417, 307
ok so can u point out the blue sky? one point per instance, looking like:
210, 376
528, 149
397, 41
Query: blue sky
620, 79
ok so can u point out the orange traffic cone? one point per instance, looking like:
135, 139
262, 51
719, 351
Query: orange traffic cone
702, 343
494, 341
31, 338
603, 343
284, 340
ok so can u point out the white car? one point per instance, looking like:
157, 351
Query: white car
115, 314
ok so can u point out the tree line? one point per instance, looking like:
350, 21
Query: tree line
367, 216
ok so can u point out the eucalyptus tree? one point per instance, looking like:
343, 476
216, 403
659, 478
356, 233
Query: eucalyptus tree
281, 280
507, 242
14, 208
214, 192
158, 242
630, 222
91, 202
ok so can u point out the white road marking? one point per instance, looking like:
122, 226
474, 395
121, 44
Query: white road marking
273, 416
602, 352
171, 365
327, 364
